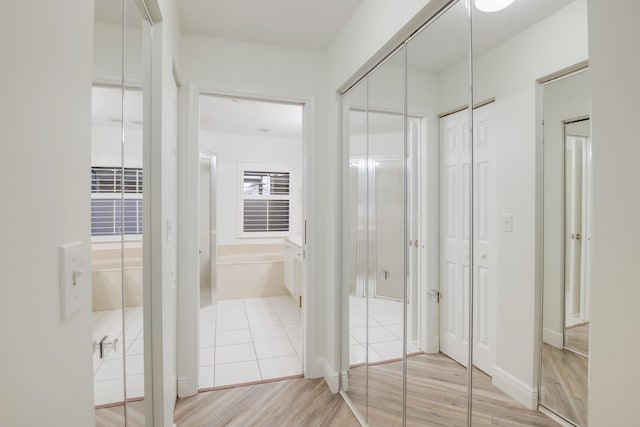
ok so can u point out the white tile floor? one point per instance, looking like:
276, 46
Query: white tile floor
108, 372
246, 340
385, 330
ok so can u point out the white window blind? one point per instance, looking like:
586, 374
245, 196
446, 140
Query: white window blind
266, 200
109, 217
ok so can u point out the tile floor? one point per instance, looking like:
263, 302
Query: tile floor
246, 340
385, 330
108, 372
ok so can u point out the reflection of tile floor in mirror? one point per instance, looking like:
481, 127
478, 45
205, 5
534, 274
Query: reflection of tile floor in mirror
108, 372
385, 330
247, 340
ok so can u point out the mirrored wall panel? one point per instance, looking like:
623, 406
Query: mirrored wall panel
516, 205
355, 248
438, 138
117, 207
567, 246
466, 187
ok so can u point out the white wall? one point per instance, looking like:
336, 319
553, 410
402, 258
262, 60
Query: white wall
232, 152
45, 87
564, 99
508, 73
614, 373
106, 147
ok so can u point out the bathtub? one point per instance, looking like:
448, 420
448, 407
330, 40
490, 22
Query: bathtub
107, 274
250, 271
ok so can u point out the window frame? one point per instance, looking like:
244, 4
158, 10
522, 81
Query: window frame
115, 238
262, 167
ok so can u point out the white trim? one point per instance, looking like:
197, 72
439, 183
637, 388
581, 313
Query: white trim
555, 417
553, 338
331, 377
188, 288
515, 388
353, 408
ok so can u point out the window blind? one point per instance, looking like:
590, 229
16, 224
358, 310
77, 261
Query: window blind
266, 201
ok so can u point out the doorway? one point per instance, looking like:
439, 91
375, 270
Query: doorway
251, 242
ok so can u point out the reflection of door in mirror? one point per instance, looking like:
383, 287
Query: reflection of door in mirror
207, 229
567, 178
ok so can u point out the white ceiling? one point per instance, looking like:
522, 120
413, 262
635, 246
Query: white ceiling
240, 116
300, 24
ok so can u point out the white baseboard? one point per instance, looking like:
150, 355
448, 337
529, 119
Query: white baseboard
515, 388
553, 338
331, 377
186, 388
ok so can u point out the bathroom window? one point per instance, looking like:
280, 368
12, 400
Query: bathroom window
108, 215
265, 202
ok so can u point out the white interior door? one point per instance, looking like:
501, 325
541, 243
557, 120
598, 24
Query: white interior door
455, 233
485, 215
574, 232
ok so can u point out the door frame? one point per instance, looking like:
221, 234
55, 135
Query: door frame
189, 290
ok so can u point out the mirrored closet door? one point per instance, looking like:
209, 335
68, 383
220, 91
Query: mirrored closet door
119, 183
451, 187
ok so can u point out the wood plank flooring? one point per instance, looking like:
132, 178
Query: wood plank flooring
564, 383
577, 338
297, 402
436, 396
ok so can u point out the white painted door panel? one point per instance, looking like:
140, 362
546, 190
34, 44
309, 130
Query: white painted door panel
485, 217
455, 232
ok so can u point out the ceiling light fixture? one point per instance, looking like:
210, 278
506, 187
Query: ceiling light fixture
492, 5
263, 130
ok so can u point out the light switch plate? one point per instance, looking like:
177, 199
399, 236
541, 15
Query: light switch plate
507, 222
72, 278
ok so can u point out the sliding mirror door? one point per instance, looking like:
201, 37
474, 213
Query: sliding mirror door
567, 244
514, 48
353, 378
117, 205
387, 236
438, 137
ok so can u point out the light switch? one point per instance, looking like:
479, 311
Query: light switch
507, 222
72, 278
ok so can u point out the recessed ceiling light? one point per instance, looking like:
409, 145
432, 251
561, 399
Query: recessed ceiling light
492, 5
116, 120
263, 130
136, 122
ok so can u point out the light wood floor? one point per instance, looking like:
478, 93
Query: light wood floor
297, 402
436, 396
564, 383
577, 338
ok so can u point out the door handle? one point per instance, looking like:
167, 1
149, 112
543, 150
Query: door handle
578, 236
104, 345
384, 275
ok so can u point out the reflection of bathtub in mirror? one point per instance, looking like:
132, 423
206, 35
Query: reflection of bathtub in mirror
107, 277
